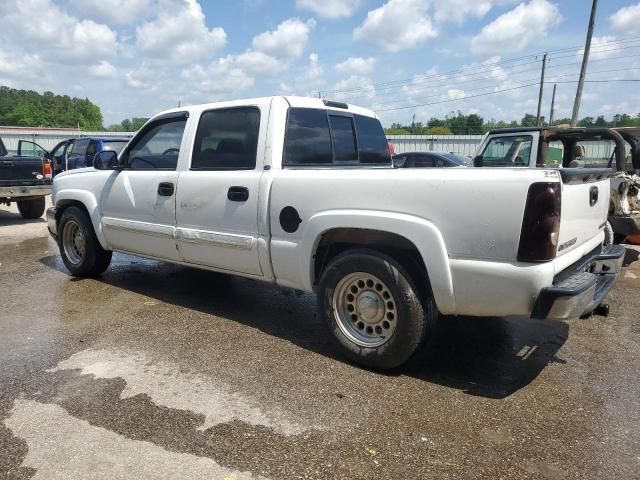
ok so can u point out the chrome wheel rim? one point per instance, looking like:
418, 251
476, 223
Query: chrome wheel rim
365, 309
73, 242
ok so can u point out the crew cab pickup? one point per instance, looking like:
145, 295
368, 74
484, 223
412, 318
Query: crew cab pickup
24, 179
301, 192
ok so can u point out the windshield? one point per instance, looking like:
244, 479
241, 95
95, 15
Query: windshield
507, 151
114, 145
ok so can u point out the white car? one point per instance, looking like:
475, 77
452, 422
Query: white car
301, 192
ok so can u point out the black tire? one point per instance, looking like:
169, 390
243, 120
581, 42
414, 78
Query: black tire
32, 208
416, 312
609, 236
94, 259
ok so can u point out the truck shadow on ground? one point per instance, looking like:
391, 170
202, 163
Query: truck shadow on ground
489, 357
11, 218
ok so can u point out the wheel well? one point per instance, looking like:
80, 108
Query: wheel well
336, 241
64, 204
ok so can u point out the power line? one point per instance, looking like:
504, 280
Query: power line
491, 84
634, 80
491, 65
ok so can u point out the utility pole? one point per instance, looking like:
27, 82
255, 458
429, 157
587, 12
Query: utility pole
553, 104
544, 64
583, 69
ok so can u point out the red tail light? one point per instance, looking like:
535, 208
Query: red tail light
46, 169
541, 223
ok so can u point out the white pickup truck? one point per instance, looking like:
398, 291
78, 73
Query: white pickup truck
301, 192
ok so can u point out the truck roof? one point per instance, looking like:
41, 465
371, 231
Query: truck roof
293, 101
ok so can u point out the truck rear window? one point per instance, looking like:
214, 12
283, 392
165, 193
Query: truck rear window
317, 137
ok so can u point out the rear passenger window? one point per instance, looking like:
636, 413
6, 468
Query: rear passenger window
307, 140
372, 142
227, 139
324, 137
343, 136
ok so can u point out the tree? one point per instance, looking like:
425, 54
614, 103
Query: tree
529, 120
27, 108
438, 131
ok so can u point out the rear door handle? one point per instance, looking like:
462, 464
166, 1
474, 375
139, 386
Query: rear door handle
238, 194
166, 189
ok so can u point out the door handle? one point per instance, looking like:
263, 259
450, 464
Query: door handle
238, 194
593, 196
166, 189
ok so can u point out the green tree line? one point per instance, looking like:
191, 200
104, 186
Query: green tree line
27, 108
459, 124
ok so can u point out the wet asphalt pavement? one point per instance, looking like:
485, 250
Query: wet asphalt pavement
159, 371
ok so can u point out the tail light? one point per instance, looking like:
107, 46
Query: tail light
541, 223
46, 169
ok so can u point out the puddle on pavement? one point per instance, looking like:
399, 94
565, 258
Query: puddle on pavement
62, 446
166, 385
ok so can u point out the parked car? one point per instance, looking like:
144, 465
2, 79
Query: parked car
25, 179
430, 159
301, 192
59, 155
567, 148
85, 148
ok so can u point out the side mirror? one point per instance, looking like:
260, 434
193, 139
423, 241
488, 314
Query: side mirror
477, 161
105, 160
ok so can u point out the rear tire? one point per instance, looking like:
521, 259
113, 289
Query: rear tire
374, 310
80, 250
32, 208
609, 236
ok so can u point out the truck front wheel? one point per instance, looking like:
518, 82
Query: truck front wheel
32, 208
374, 309
80, 250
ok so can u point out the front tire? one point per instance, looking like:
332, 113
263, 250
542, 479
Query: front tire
32, 208
80, 250
374, 309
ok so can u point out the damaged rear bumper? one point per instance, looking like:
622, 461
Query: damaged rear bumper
579, 289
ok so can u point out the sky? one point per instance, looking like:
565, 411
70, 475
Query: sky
400, 58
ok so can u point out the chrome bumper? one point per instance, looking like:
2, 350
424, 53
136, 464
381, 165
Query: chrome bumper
25, 191
582, 287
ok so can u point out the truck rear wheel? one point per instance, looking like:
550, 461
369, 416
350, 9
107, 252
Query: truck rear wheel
80, 250
31, 208
374, 309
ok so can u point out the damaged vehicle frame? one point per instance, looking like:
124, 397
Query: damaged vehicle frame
513, 147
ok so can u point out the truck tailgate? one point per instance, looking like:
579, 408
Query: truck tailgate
21, 171
585, 205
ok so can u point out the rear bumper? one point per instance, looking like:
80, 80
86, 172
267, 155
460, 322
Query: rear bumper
51, 222
25, 191
625, 225
580, 288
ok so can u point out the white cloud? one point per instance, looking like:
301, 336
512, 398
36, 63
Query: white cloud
217, 79
252, 61
601, 48
113, 12
516, 29
103, 69
308, 83
356, 65
457, 11
289, 39
365, 89
397, 25
455, 93
18, 67
330, 8
627, 19
179, 33
40, 25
